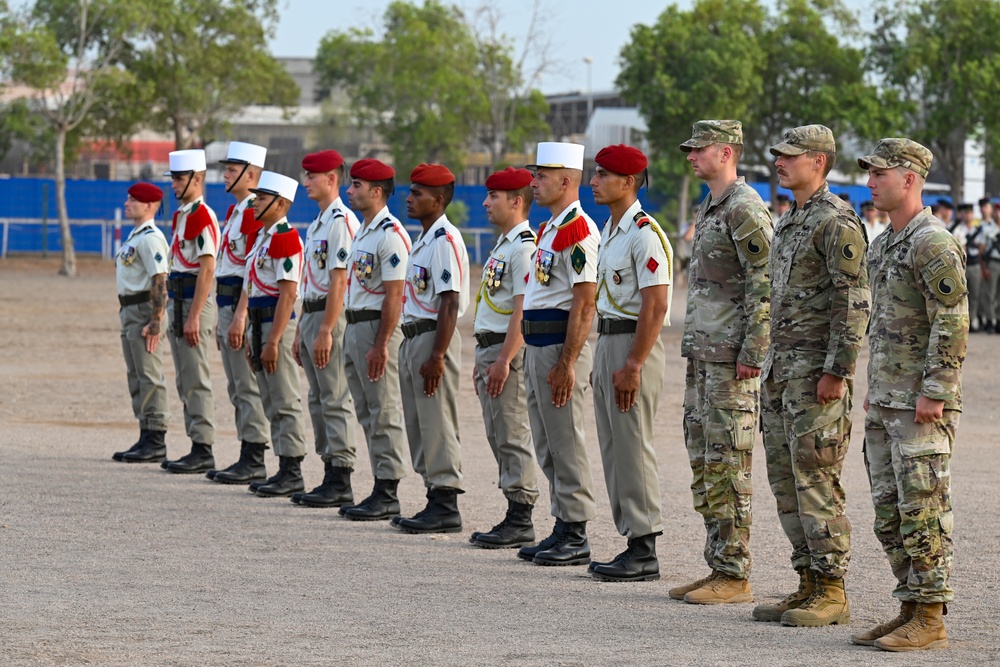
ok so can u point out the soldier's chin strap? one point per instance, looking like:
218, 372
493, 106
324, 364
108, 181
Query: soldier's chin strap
259, 216
180, 197
237, 179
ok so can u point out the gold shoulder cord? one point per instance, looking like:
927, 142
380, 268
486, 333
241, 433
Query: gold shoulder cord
483, 294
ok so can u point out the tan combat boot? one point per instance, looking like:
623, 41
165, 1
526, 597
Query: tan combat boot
772, 612
678, 592
925, 630
882, 629
721, 590
826, 606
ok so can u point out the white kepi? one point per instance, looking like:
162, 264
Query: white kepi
558, 155
243, 153
183, 162
276, 184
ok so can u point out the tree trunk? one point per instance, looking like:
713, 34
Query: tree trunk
68, 254
683, 199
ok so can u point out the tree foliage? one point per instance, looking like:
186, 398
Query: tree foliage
205, 66
943, 60
432, 86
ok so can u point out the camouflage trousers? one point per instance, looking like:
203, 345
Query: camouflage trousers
909, 468
720, 423
805, 444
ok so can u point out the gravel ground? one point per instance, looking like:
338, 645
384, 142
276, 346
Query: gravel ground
103, 563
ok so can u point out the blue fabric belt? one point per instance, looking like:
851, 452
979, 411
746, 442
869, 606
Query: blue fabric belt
545, 315
227, 291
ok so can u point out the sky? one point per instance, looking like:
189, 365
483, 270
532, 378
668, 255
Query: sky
595, 29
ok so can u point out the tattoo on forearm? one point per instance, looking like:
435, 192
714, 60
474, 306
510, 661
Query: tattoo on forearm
158, 294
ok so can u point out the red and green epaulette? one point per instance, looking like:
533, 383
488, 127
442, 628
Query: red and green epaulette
198, 220
250, 226
570, 231
285, 242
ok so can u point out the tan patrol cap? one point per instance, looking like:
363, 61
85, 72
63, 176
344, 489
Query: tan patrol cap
799, 140
708, 132
898, 152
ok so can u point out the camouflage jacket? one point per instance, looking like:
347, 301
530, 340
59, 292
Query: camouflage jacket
728, 308
819, 290
920, 316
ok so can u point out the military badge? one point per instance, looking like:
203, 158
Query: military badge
394, 260
261, 258
445, 276
127, 255
543, 266
652, 265
851, 251
494, 274
615, 278
363, 266
232, 244
180, 244
419, 279
320, 254
342, 254
578, 257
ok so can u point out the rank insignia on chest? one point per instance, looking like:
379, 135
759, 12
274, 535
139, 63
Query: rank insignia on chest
419, 279
615, 278
494, 274
363, 266
320, 254
543, 266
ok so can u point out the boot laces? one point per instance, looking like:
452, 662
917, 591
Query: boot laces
500, 526
791, 597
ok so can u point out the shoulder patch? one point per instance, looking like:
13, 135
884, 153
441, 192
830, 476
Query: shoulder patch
639, 216
850, 251
945, 279
389, 225
752, 241
441, 232
148, 231
579, 258
337, 213
527, 236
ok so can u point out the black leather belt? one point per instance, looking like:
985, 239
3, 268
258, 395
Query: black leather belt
314, 305
232, 291
543, 326
489, 338
414, 329
133, 299
616, 326
355, 316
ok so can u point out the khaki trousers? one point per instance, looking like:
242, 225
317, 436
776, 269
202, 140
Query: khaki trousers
193, 378
330, 404
146, 384
241, 383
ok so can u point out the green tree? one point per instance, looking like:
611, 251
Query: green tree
416, 84
943, 59
69, 52
692, 64
810, 76
206, 65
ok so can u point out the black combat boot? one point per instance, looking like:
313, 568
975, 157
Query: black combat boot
248, 469
516, 529
289, 479
335, 491
200, 459
637, 563
383, 503
572, 547
143, 434
153, 449
440, 516
528, 553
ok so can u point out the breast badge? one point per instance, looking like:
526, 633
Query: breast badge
494, 273
363, 264
543, 266
127, 255
419, 279
320, 254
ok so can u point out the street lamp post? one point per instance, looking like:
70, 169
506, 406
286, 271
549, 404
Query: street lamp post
590, 91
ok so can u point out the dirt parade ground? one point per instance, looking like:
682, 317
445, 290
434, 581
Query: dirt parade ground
103, 563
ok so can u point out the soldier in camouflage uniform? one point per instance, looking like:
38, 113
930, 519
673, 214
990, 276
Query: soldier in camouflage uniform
918, 337
725, 340
819, 311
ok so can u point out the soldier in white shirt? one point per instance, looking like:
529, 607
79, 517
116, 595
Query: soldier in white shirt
498, 376
436, 294
193, 313
558, 313
243, 165
870, 218
371, 343
268, 301
319, 346
634, 273
141, 275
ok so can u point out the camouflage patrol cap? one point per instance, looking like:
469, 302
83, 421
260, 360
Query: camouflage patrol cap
898, 152
799, 140
708, 132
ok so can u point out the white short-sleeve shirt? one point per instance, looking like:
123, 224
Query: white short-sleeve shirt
438, 263
556, 272
142, 256
185, 253
505, 275
381, 251
328, 247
